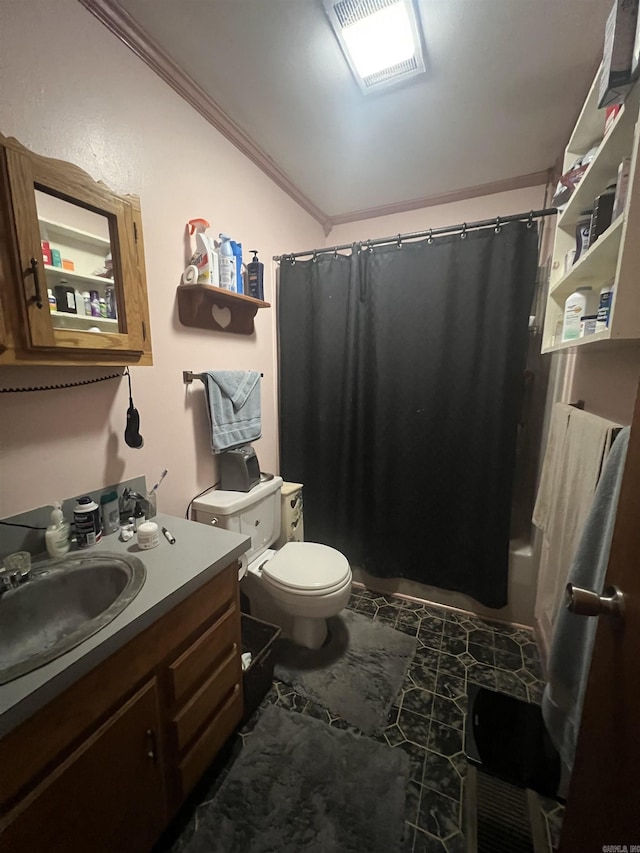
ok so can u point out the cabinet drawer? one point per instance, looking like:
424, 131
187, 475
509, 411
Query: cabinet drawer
205, 701
205, 749
213, 644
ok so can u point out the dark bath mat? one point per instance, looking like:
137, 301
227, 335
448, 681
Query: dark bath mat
356, 675
300, 786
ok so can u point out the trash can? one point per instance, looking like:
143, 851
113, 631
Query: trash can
508, 738
259, 638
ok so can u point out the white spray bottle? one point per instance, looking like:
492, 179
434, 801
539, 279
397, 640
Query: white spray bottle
204, 266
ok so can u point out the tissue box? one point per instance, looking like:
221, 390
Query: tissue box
619, 36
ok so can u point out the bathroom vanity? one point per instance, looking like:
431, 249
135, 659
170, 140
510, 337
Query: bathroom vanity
100, 747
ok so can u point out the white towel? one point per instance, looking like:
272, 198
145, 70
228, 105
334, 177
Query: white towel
556, 438
578, 445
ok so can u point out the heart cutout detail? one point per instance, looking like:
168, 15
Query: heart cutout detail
222, 316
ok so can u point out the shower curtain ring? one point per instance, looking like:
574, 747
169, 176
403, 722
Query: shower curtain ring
530, 219
463, 236
430, 238
293, 260
498, 227
335, 253
369, 246
315, 257
399, 243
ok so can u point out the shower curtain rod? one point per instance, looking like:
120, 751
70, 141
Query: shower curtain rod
497, 222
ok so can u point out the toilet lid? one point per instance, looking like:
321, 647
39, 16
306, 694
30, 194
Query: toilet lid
307, 566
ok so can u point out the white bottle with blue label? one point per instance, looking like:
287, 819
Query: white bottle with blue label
574, 309
227, 265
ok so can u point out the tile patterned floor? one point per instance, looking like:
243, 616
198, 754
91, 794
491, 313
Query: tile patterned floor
428, 719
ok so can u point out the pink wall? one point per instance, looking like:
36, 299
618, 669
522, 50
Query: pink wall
71, 90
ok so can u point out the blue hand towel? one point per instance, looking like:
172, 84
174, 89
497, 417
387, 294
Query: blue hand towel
233, 406
570, 658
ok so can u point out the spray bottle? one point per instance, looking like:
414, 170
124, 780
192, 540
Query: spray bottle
204, 266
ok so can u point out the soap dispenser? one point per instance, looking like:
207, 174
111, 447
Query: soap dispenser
255, 276
57, 534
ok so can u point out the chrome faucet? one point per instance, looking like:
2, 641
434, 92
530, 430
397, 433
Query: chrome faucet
12, 580
130, 497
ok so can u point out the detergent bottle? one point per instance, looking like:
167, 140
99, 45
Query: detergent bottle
204, 266
227, 265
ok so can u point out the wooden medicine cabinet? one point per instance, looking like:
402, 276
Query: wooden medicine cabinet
72, 273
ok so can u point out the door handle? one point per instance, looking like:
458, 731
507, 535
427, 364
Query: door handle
36, 283
587, 602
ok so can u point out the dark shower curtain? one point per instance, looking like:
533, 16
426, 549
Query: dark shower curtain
401, 377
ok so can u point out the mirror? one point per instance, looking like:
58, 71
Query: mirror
79, 269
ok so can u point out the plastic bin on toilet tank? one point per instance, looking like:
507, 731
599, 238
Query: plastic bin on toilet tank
256, 513
292, 524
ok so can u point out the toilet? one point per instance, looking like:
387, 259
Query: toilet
299, 586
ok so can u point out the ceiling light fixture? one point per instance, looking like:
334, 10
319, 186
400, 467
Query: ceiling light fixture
380, 40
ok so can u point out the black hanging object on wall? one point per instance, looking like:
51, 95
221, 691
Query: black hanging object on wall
132, 430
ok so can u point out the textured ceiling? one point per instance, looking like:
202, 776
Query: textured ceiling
505, 83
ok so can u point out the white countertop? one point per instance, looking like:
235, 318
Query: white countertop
173, 573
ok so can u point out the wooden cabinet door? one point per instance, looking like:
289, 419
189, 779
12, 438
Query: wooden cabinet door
90, 248
107, 796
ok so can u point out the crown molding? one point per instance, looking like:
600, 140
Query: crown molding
534, 179
130, 33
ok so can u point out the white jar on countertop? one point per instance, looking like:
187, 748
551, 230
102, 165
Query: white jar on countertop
148, 535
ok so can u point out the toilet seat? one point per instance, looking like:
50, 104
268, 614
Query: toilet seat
325, 569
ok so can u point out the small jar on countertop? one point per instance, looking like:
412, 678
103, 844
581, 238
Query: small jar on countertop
148, 535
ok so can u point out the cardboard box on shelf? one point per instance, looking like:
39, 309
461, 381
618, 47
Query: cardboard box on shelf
619, 36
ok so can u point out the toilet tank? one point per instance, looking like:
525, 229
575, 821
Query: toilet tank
256, 513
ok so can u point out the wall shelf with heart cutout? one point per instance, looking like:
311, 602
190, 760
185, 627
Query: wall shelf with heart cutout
205, 307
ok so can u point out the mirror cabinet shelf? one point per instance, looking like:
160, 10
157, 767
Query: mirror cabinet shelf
72, 272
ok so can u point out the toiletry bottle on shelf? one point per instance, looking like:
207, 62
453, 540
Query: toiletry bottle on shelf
574, 309
604, 307
236, 248
255, 277
57, 533
85, 298
94, 302
583, 229
204, 266
227, 265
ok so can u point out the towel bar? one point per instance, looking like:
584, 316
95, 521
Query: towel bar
188, 376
